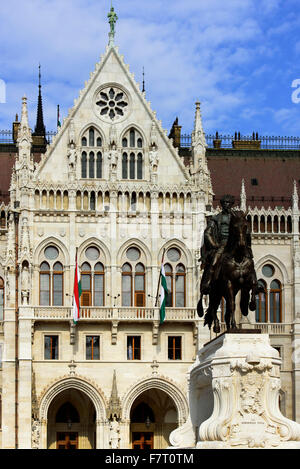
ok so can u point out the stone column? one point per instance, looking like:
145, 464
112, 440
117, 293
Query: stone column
26, 316
125, 434
8, 381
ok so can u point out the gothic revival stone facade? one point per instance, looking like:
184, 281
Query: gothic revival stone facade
113, 188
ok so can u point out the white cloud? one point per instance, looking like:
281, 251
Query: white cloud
192, 50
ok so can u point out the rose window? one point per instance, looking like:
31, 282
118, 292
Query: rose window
112, 102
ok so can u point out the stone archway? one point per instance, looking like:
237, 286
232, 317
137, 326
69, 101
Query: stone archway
88, 401
168, 406
71, 421
153, 417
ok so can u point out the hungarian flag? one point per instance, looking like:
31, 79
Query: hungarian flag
163, 295
76, 294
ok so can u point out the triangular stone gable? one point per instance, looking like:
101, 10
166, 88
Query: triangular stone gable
111, 70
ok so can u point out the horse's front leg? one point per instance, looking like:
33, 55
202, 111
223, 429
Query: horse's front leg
230, 307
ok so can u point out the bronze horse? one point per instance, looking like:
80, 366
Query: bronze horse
234, 273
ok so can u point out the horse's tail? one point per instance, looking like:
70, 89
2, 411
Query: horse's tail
200, 310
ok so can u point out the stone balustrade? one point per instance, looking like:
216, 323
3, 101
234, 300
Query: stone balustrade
49, 313
271, 328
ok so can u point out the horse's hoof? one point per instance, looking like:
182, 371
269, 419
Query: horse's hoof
252, 305
217, 329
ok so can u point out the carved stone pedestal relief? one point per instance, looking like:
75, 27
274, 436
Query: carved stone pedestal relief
234, 397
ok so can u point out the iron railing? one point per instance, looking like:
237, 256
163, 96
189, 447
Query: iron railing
239, 141
6, 136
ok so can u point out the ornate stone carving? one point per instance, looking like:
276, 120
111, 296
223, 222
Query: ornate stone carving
243, 393
114, 434
72, 157
112, 104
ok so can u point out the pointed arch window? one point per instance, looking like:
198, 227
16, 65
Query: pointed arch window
84, 165
124, 166
91, 137
3, 220
133, 281
99, 284
44, 284
269, 300
169, 279
140, 166
180, 286
126, 285
58, 284
91, 165
91, 158
51, 279
99, 165
139, 285
275, 301
262, 303
132, 166
176, 279
92, 279
86, 284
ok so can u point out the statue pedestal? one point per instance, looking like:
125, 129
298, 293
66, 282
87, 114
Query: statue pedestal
234, 397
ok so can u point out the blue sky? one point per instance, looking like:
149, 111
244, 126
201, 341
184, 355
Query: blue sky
239, 58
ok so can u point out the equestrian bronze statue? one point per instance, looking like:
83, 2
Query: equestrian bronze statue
227, 259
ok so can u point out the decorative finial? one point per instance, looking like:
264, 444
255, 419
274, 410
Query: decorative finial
295, 198
40, 76
243, 197
112, 19
143, 80
40, 130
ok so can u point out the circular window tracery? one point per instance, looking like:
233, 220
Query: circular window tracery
133, 254
92, 253
268, 270
112, 103
173, 255
51, 253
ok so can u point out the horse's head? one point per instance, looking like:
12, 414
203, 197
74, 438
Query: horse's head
238, 229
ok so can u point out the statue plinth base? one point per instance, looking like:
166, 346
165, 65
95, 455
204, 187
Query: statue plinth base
234, 397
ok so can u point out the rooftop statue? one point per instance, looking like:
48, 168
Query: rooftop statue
227, 260
112, 19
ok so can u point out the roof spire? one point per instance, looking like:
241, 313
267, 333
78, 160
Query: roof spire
198, 135
112, 19
143, 80
243, 197
295, 198
39, 130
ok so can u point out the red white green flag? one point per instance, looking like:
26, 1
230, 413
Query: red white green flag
76, 294
163, 295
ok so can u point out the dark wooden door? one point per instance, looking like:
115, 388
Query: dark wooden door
142, 440
67, 440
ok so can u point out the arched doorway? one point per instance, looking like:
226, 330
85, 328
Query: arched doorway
71, 421
153, 417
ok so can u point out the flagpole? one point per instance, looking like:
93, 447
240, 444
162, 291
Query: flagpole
162, 260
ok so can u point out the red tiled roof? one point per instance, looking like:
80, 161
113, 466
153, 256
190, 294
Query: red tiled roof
274, 175
6, 164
